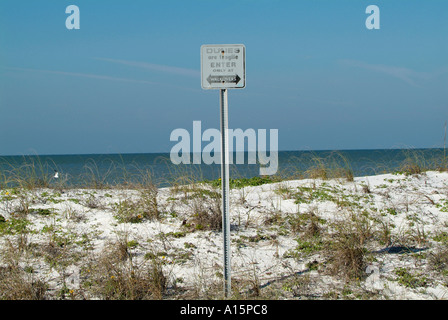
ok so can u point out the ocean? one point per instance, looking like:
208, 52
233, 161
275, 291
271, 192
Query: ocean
113, 169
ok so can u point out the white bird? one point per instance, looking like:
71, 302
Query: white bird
56, 174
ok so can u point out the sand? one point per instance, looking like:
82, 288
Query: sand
266, 260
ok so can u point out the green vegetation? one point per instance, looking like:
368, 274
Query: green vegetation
330, 226
410, 280
245, 182
443, 205
135, 211
14, 226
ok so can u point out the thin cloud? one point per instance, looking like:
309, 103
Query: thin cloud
155, 67
409, 76
84, 75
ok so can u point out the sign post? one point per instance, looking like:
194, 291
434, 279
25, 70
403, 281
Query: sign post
224, 108
224, 67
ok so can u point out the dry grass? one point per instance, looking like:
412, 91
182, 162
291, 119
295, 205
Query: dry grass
114, 276
139, 209
341, 248
17, 284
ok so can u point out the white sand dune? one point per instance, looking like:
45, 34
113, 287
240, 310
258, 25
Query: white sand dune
265, 252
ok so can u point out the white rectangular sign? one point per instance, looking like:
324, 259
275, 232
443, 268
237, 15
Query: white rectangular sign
223, 66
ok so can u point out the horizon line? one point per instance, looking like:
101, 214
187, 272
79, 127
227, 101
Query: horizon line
168, 152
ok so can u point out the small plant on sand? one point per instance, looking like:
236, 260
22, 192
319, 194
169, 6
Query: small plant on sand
346, 248
334, 165
115, 276
407, 279
307, 224
438, 261
245, 182
204, 212
18, 284
136, 210
204, 217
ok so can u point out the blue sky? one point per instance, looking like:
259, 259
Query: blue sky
131, 74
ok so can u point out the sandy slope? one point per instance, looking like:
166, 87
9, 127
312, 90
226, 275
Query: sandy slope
265, 252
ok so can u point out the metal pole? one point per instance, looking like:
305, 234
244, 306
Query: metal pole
225, 189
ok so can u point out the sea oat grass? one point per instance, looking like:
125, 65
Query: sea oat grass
114, 275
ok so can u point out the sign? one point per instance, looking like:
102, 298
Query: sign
223, 66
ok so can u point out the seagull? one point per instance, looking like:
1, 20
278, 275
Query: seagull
56, 174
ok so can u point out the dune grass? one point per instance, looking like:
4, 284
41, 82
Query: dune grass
114, 272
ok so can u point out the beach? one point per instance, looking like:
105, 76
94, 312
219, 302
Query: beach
373, 237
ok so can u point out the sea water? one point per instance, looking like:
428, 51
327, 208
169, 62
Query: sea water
112, 169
